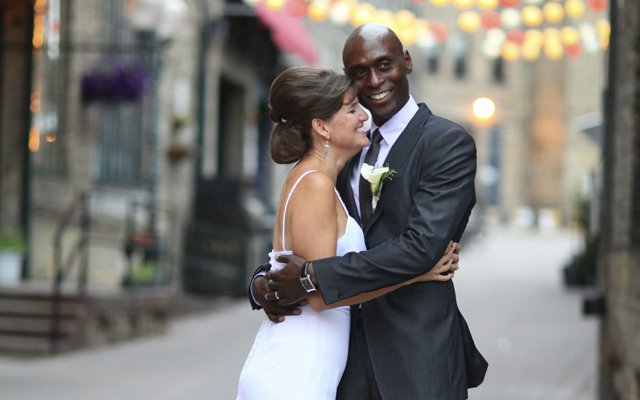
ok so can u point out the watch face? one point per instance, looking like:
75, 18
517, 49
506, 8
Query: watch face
307, 284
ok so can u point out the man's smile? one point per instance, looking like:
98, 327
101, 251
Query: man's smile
380, 96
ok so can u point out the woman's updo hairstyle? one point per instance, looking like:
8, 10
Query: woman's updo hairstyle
297, 96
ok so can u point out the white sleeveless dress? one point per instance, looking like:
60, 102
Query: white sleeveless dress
302, 358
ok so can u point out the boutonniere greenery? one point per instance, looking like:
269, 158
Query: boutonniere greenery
376, 176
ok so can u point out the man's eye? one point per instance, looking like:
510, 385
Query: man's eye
359, 73
385, 65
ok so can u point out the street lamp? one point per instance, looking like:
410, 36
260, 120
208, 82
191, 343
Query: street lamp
155, 22
484, 109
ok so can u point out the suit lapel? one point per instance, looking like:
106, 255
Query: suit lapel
399, 152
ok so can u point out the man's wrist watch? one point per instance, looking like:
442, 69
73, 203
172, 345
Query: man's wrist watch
305, 279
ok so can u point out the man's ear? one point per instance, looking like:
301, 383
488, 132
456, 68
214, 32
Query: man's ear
408, 62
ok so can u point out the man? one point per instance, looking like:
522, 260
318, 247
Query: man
412, 343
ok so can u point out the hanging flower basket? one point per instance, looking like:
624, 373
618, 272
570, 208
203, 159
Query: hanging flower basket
114, 81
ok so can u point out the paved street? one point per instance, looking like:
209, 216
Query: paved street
526, 323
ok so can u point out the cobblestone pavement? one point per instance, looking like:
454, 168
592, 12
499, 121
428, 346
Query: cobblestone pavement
526, 323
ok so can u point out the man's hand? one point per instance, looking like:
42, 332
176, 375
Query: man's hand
284, 285
275, 312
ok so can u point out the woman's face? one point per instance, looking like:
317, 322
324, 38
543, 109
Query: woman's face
346, 125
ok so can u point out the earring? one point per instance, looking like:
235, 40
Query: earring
326, 149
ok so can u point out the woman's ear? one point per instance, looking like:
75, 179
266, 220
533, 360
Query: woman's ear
320, 127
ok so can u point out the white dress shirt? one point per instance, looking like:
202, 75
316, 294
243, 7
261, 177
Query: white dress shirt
390, 132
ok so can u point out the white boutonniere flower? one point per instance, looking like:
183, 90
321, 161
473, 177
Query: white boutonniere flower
376, 176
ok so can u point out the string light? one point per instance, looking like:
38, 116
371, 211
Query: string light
517, 21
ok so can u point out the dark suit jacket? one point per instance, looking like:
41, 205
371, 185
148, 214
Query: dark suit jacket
415, 334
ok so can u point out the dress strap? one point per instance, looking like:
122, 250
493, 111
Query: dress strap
341, 202
286, 204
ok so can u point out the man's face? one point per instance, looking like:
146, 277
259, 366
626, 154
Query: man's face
380, 68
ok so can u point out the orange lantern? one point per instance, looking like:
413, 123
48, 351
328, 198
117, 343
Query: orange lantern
297, 8
532, 16
490, 19
438, 31
553, 12
574, 8
598, 5
574, 51
515, 36
510, 3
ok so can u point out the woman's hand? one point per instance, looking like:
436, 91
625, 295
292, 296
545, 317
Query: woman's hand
445, 268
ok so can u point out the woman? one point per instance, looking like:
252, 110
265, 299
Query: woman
319, 126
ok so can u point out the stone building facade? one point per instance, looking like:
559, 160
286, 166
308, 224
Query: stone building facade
201, 116
619, 258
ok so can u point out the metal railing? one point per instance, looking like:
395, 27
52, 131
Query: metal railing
63, 265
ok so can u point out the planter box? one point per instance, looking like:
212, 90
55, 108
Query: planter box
10, 267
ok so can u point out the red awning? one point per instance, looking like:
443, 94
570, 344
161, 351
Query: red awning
288, 32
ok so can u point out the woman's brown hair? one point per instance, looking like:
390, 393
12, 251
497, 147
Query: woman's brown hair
296, 97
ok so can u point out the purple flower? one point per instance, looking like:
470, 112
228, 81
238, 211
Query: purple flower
114, 81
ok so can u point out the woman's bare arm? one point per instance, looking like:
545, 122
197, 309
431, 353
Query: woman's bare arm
443, 271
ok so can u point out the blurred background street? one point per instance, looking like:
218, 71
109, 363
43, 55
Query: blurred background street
137, 192
526, 323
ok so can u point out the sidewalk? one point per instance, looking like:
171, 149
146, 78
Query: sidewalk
527, 325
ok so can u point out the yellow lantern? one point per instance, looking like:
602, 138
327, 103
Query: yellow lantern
603, 30
408, 35
275, 4
569, 35
487, 4
319, 10
469, 21
510, 51
463, 4
440, 3
553, 49
532, 16
575, 8
553, 12
362, 14
404, 19
530, 50
385, 18
533, 36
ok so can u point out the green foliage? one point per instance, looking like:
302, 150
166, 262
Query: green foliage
11, 241
142, 275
